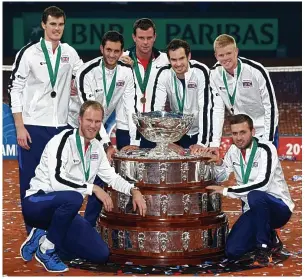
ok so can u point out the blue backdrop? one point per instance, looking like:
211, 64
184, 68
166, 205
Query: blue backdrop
9, 140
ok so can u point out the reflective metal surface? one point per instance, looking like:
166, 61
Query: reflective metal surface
183, 220
171, 204
136, 167
172, 241
163, 128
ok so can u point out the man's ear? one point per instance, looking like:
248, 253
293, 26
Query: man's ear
253, 132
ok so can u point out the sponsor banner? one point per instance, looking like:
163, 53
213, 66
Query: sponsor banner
290, 146
84, 33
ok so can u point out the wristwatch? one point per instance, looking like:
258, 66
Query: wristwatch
106, 145
134, 188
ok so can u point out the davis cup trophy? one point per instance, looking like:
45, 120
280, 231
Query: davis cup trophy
184, 223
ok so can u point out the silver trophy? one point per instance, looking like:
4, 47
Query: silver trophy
163, 128
183, 222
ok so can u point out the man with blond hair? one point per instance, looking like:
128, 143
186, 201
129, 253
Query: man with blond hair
242, 86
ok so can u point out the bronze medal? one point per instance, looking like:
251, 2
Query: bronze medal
143, 100
53, 94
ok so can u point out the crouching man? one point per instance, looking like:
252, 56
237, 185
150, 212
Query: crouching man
68, 166
261, 186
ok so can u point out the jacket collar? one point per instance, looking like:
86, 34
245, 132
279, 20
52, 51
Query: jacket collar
156, 52
48, 45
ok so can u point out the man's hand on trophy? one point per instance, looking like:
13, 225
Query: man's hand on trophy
214, 154
127, 60
214, 150
176, 148
138, 200
197, 149
130, 148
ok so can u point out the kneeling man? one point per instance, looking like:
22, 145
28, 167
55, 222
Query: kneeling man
261, 186
68, 166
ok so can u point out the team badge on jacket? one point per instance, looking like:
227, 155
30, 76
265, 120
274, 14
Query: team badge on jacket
64, 59
120, 83
247, 83
94, 156
192, 85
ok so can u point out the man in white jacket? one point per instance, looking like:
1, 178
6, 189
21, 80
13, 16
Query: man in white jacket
261, 186
185, 83
39, 91
110, 82
69, 164
146, 61
242, 86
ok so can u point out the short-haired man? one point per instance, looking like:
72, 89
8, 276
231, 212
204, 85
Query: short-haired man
185, 83
242, 86
39, 91
146, 60
110, 82
69, 164
261, 186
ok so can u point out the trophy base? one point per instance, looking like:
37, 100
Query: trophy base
159, 261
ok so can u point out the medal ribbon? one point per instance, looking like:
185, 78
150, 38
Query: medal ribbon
246, 175
224, 77
112, 85
143, 84
80, 151
180, 103
52, 75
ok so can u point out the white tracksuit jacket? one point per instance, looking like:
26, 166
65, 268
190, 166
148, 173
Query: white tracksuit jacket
266, 174
159, 60
197, 96
254, 96
61, 169
90, 86
30, 87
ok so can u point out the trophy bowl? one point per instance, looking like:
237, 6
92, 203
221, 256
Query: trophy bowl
163, 128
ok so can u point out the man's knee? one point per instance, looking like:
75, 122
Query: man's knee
255, 197
74, 198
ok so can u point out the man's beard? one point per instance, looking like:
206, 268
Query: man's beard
249, 144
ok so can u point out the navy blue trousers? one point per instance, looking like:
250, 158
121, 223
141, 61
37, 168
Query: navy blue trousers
253, 228
29, 159
73, 236
146, 143
122, 138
